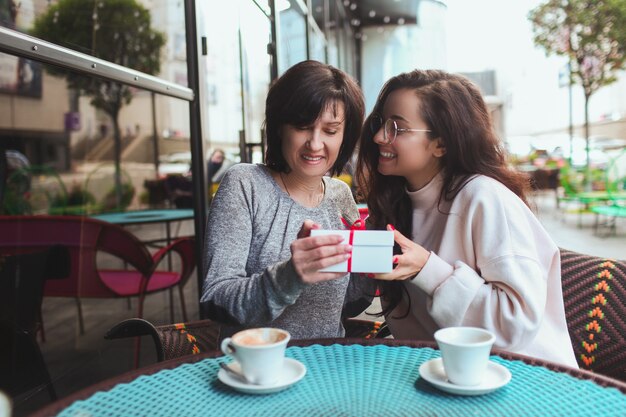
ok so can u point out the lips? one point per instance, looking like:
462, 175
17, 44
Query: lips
312, 158
388, 155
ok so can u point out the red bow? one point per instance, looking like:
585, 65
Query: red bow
357, 225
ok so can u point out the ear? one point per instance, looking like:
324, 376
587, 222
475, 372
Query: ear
440, 149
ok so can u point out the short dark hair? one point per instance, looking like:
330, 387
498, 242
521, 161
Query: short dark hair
300, 96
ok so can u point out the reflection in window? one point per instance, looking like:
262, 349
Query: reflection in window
317, 43
255, 35
221, 77
292, 32
66, 158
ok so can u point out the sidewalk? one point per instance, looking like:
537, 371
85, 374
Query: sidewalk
562, 225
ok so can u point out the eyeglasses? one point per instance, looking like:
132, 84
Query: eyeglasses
391, 128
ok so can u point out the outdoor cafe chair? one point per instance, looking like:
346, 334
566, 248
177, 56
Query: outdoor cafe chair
594, 294
173, 341
616, 191
85, 238
22, 279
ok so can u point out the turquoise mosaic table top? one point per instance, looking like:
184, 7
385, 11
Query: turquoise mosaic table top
146, 216
352, 380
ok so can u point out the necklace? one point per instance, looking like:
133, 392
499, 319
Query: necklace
322, 188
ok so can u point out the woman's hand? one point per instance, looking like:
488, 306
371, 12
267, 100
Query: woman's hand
310, 254
411, 261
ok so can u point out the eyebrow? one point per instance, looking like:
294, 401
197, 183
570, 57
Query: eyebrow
398, 117
335, 123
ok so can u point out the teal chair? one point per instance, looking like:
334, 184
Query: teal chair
607, 215
572, 183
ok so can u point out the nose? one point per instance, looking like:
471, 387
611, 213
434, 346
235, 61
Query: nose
315, 142
379, 137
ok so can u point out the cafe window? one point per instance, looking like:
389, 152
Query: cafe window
49, 115
292, 34
220, 76
255, 36
317, 42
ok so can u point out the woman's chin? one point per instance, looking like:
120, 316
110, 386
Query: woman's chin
313, 171
383, 170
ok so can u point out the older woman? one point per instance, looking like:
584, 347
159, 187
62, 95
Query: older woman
262, 263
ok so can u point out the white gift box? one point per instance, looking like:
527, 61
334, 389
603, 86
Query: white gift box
372, 250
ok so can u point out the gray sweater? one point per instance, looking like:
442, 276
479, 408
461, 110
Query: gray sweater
250, 280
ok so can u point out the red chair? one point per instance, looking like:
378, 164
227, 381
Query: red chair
85, 237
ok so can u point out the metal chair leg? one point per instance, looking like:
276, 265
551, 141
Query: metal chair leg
171, 295
41, 330
182, 303
81, 324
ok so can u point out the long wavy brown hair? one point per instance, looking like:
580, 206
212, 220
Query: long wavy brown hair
455, 112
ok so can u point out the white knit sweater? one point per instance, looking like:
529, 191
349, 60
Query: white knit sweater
492, 265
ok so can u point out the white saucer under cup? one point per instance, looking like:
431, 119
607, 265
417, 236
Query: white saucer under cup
465, 353
259, 352
292, 372
496, 376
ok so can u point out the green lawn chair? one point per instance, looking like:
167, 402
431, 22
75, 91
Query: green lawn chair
616, 191
573, 183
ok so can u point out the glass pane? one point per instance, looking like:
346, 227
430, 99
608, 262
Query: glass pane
69, 144
255, 35
221, 76
317, 43
348, 48
331, 34
146, 36
60, 151
317, 11
292, 42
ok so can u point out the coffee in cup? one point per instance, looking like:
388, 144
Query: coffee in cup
260, 352
465, 353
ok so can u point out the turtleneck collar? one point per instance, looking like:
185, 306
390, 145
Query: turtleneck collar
428, 195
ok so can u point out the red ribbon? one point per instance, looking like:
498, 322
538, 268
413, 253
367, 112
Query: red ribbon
357, 225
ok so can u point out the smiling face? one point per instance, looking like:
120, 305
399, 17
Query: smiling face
311, 151
412, 155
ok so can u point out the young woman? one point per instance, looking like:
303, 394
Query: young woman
433, 167
262, 263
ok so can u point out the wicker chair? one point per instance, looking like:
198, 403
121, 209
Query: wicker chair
181, 339
171, 340
22, 279
594, 292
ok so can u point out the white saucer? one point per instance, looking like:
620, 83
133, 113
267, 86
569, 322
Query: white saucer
496, 376
293, 372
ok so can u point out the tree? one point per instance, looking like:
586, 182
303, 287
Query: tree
592, 34
117, 31
8, 12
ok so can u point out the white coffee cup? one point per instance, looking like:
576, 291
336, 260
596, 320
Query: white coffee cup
465, 353
260, 352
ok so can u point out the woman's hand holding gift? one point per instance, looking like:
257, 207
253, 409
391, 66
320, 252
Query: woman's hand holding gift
310, 254
410, 263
